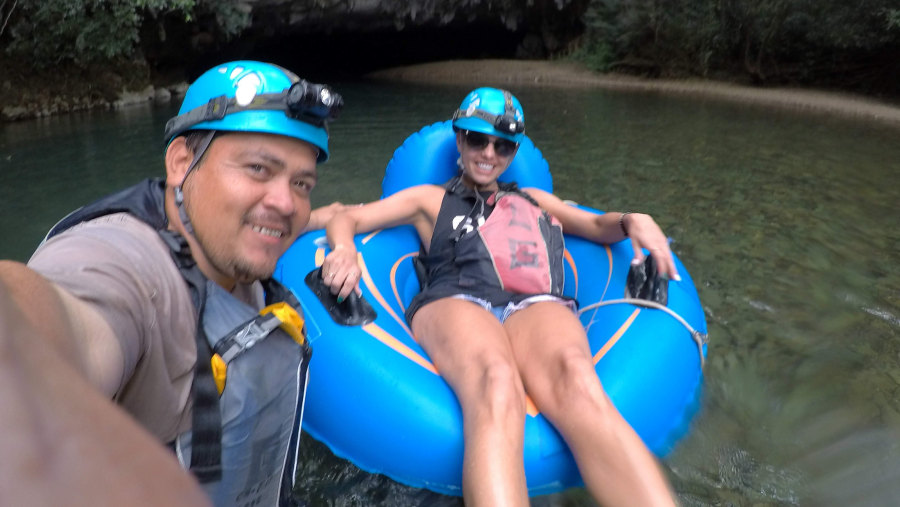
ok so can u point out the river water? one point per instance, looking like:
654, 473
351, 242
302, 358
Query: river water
788, 223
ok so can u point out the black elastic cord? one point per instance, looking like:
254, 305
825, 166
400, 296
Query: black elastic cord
179, 192
219, 107
206, 417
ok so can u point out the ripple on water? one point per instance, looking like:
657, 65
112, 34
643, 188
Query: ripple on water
787, 224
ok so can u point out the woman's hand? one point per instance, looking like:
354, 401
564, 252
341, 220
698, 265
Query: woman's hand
341, 271
645, 233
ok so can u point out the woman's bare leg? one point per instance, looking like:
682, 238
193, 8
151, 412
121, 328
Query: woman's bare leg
558, 372
470, 349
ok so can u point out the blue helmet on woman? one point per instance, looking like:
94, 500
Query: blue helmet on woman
491, 111
249, 96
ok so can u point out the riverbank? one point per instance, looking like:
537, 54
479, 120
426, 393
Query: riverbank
76, 95
36, 92
514, 73
62, 104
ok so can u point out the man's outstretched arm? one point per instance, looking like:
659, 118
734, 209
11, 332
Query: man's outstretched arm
63, 441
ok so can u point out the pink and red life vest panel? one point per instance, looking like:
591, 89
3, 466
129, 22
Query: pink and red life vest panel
499, 246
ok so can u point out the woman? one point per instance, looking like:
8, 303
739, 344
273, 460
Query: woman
492, 317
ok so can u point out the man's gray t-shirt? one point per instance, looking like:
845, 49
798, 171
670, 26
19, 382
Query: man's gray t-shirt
121, 266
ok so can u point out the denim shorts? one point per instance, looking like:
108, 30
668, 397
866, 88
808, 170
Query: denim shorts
503, 312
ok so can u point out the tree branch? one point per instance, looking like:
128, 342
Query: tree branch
8, 14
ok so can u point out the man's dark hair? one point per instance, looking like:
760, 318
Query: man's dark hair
193, 139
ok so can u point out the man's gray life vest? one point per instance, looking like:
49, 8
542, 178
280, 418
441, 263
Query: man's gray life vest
250, 376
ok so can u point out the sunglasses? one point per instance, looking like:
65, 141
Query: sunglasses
479, 141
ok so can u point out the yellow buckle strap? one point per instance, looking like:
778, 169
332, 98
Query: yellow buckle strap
292, 324
291, 321
219, 369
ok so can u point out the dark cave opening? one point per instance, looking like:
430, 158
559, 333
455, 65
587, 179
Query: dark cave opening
342, 55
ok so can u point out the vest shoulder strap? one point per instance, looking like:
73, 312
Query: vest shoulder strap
146, 201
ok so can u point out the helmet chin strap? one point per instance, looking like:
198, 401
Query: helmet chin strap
462, 173
179, 193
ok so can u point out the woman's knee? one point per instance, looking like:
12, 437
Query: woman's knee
497, 388
571, 384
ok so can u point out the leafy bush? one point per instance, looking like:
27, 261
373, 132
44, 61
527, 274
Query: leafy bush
50, 32
765, 40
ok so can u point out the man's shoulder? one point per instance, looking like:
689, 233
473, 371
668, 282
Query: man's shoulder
116, 243
122, 222
118, 229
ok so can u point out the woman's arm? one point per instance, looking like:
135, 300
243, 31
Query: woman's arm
612, 227
417, 206
320, 216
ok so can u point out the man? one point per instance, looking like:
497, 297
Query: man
151, 298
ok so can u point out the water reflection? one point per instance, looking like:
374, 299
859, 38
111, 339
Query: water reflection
787, 223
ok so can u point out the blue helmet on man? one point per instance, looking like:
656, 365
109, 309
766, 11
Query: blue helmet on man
491, 111
250, 96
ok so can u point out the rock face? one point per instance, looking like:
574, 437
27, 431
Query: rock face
61, 105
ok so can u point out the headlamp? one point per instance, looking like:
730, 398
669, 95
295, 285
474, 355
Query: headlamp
305, 99
508, 124
311, 103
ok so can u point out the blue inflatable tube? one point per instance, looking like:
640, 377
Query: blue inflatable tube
375, 398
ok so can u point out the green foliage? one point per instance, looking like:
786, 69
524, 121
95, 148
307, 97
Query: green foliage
893, 19
596, 55
231, 17
766, 40
50, 32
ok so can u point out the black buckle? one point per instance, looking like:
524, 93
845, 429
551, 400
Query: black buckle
353, 311
644, 282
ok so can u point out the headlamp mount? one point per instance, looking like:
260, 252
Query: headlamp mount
312, 103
